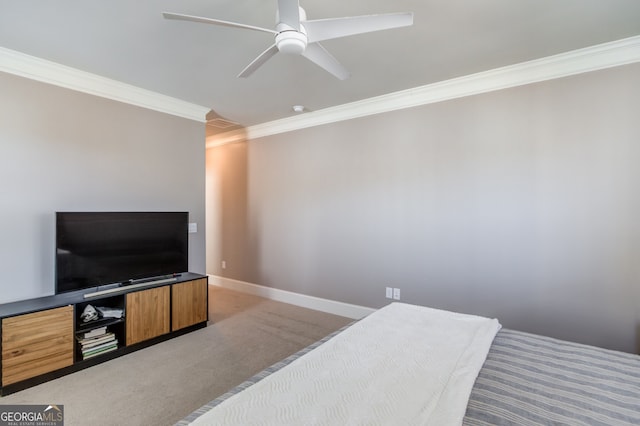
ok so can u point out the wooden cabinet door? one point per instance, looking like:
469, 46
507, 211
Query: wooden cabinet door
147, 314
37, 343
188, 303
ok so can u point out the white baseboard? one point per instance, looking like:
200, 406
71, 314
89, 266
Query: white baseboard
311, 302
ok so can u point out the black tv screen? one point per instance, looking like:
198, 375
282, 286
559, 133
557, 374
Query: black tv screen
100, 248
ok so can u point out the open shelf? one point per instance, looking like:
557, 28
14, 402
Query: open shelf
102, 322
116, 302
105, 342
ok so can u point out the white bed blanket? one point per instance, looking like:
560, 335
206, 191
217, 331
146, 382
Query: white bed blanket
401, 365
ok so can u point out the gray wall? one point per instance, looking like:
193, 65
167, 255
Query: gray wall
521, 204
62, 150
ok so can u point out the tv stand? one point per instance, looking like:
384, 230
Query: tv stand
45, 338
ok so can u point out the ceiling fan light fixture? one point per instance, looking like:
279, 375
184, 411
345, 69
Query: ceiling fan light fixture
291, 42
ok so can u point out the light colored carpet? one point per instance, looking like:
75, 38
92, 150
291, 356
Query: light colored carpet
161, 384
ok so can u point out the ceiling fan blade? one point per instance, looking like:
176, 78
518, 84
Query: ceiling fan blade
259, 61
321, 57
326, 29
289, 13
182, 17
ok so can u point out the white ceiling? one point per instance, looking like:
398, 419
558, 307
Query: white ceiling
131, 42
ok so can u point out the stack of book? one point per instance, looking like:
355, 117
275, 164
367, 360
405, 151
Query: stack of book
97, 342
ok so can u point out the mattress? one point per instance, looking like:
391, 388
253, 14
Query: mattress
528, 379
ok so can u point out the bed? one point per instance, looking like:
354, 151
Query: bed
496, 376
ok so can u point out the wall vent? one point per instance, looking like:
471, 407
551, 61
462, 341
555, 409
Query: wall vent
221, 123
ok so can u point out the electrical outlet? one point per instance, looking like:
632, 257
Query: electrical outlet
396, 293
224, 264
389, 293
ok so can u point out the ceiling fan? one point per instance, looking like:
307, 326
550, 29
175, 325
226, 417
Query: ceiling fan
294, 34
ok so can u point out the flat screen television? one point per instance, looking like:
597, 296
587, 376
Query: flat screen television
100, 248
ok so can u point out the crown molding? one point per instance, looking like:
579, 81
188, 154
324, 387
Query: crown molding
598, 57
38, 69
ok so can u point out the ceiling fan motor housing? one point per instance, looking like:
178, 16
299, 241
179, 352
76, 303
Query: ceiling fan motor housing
291, 42
291, 39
